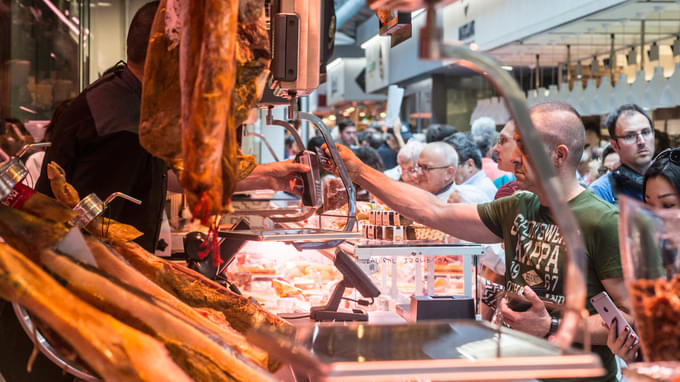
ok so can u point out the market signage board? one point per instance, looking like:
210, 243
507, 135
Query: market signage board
335, 82
377, 63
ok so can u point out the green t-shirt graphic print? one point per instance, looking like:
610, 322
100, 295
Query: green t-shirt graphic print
535, 252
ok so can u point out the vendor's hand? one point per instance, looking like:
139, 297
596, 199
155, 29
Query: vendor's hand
535, 320
284, 175
352, 163
626, 346
396, 127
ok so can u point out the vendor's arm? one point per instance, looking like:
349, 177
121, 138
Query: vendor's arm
459, 220
279, 176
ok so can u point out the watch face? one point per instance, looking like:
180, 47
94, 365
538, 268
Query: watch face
554, 323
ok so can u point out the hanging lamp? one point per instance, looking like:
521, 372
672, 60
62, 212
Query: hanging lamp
652, 96
603, 96
637, 89
620, 93
670, 95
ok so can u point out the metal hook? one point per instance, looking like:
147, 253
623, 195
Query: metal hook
32, 147
122, 195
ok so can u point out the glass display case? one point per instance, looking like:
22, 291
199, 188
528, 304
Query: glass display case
459, 350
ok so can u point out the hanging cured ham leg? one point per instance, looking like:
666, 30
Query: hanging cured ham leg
209, 34
252, 67
159, 125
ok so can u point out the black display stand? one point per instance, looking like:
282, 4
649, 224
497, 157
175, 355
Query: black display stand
353, 277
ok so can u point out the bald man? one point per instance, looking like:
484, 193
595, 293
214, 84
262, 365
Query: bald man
535, 252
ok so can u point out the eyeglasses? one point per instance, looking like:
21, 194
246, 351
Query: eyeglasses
631, 138
409, 170
673, 154
426, 168
501, 140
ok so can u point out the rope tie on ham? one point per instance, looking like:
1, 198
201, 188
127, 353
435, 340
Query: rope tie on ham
202, 205
212, 243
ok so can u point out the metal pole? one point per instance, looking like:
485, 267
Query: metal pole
568, 63
342, 170
612, 57
642, 45
575, 285
538, 71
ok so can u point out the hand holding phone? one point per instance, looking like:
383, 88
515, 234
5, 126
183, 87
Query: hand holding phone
610, 313
519, 303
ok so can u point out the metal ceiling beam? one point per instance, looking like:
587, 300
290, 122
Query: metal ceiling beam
346, 11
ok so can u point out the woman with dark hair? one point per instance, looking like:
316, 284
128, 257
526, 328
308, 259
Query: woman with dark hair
610, 159
370, 156
661, 185
661, 189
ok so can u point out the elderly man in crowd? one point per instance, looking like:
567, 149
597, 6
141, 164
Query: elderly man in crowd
535, 251
436, 168
632, 137
407, 160
469, 171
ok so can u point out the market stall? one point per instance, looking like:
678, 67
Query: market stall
264, 286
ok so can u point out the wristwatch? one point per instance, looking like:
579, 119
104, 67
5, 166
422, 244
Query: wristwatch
554, 323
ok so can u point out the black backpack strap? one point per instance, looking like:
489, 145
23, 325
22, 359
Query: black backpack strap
615, 186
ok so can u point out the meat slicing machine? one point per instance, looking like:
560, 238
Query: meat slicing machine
232, 240
312, 198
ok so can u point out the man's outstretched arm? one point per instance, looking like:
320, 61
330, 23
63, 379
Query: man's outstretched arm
459, 220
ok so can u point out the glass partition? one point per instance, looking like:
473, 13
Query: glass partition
44, 55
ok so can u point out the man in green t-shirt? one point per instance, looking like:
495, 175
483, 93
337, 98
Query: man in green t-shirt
535, 250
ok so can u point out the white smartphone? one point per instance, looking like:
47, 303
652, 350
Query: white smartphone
608, 311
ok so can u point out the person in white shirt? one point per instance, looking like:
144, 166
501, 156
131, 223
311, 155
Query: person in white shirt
483, 132
436, 169
407, 158
469, 170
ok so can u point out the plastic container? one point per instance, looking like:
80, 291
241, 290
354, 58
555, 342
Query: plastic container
649, 241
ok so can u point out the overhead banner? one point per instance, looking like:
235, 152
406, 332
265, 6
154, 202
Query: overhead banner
335, 80
342, 84
377, 63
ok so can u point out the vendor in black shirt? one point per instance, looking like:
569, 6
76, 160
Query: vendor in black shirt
95, 141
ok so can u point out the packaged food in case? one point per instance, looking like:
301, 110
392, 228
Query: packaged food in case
649, 241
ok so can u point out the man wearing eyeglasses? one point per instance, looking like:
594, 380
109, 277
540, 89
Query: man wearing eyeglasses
632, 137
436, 169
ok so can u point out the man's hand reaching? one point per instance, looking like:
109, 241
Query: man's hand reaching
278, 176
351, 161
